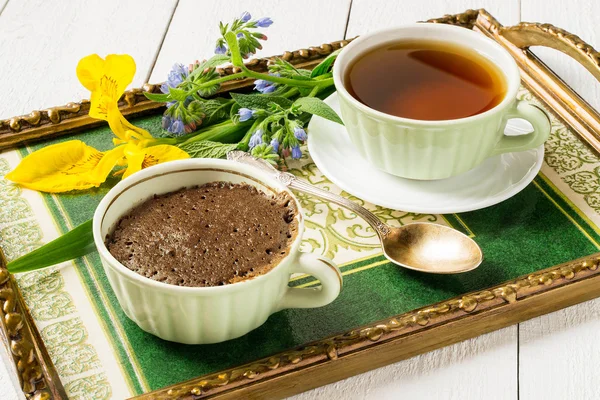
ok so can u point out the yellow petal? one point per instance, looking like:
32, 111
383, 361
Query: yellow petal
107, 80
135, 159
153, 155
111, 75
89, 71
62, 167
141, 132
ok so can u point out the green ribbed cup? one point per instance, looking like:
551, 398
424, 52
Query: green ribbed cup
437, 149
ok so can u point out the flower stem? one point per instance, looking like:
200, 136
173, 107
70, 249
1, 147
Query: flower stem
286, 81
314, 91
218, 80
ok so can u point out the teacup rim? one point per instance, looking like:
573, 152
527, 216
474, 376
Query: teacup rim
513, 77
180, 166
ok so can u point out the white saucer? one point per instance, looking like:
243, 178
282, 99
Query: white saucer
496, 180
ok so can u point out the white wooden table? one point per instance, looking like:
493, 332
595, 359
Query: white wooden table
556, 356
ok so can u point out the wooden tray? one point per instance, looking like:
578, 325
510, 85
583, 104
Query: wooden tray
396, 337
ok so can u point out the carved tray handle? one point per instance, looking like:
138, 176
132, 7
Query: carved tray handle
526, 34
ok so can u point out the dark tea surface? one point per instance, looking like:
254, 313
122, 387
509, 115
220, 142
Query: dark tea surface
425, 80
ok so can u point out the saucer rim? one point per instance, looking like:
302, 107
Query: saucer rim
499, 197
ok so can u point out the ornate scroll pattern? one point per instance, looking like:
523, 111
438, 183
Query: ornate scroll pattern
335, 347
574, 162
330, 228
45, 294
91, 387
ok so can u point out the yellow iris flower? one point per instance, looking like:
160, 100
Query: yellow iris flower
74, 165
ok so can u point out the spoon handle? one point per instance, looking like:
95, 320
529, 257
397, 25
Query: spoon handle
292, 182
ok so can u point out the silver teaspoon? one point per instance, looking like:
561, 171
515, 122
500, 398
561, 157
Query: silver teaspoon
420, 246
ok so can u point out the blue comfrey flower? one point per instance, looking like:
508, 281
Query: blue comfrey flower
296, 152
246, 114
177, 127
239, 35
256, 139
221, 49
245, 17
300, 133
275, 145
164, 88
264, 86
264, 22
177, 74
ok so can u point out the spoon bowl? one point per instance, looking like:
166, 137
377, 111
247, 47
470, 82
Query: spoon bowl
420, 246
433, 248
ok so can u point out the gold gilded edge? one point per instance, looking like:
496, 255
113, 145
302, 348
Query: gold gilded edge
37, 376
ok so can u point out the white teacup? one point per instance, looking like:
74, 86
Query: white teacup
199, 315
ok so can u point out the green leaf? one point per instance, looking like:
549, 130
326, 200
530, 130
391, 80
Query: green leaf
76, 243
213, 62
216, 108
234, 47
259, 101
316, 106
178, 94
159, 97
324, 65
208, 149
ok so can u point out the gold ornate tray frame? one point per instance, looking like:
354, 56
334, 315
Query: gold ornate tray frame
375, 345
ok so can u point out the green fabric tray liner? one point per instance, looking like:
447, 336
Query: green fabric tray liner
534, 230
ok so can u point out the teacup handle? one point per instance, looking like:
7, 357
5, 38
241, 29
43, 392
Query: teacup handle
541, 129
322, 269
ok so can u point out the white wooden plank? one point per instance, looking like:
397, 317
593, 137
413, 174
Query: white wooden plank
559, 354
9, 383
483, 367
41, 42
370, 15
479, 368
194, 29
562, 347
578, 17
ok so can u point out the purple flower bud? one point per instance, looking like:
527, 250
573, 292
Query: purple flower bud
245, 17
239, 35
190, 127
256, 139
264, 22
269, 89
221, 49
166, 122
299, 133
164, 88
296, 152
245, 114
275, 145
